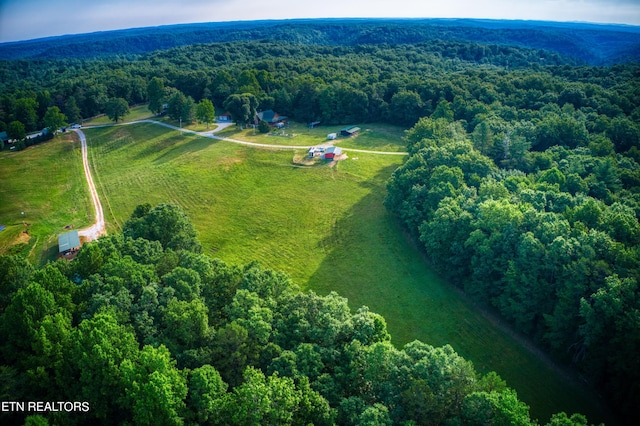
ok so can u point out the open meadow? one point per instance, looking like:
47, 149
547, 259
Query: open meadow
372, 136
324, 226
43, 191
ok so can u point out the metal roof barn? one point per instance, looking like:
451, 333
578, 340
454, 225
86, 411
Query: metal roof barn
68, 242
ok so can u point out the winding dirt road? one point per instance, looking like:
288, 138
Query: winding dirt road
210, 134
94, 231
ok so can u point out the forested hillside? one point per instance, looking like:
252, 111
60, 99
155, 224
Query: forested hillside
592, 44
144, 329
523, 184
366, 83
538, 218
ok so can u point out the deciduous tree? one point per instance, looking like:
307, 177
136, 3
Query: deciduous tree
116, 108
156, 94
242, 107
54, 119
205, 112
154, 388
167, 224
16, 130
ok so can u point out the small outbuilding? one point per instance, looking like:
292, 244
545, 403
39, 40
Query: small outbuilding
332, 136
68, 242
332, 152
350, 131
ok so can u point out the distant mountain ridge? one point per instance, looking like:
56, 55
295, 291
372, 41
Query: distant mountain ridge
594, 44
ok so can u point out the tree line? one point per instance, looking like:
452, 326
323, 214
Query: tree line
539, 220
583, 43
333, 84
145, 329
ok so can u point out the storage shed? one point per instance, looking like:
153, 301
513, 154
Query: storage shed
225, 118
332, 152
68, 242
349, 131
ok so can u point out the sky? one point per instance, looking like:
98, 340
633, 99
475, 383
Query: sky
29, 19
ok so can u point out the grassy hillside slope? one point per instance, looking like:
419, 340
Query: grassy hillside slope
45, 182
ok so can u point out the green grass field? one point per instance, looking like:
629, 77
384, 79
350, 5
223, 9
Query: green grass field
138, 112
47, 183
324, 226
373, 136
246, 203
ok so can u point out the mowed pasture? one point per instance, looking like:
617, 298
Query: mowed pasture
45, 182
327, 229
373, 137
246, 203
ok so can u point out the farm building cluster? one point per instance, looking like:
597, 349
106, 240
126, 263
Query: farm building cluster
331, 152
275, 120
326, 153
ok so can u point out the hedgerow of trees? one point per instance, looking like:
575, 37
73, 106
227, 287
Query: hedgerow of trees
147, 330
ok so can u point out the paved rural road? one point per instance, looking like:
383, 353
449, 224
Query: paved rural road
98, 228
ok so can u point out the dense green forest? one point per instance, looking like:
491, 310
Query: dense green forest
141, 328
336, 84
593, 44
523, 187
553, 247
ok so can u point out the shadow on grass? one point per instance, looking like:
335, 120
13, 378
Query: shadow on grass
370, 262
50, 253
184, 143
166, 144
109, 139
